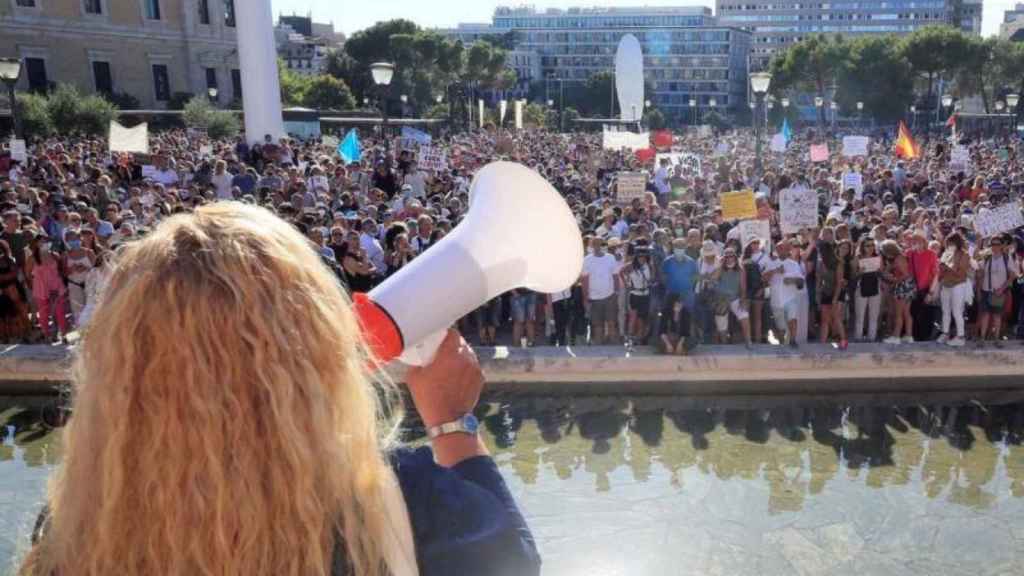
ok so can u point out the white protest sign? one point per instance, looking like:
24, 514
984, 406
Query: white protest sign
630, 185
778, 143
689, 162
331, 142
19, 151
1003, 219
868, 265
855, 145
854, 180
432, 158
129, 139
799, 209
960, 159
206, 150
628, 140
760, 229
722, 149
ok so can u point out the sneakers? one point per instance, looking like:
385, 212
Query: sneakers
943, 339
893, 340
908, 339
957, 342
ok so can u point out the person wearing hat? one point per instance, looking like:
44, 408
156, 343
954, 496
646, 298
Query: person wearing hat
707, 269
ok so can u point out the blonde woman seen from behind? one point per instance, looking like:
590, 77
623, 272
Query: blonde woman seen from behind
225, 423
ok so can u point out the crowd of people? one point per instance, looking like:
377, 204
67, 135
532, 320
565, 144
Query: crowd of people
896, 260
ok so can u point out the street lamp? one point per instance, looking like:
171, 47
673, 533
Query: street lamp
947, 101
693, 110
382, 73
1000, 105
913, 116
212, 93
835, 112
759, 83
551, 103
1011, 105
860, 113
10, 71
818, 103
785, 102
440, 98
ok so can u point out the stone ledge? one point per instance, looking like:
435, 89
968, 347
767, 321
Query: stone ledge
711, 370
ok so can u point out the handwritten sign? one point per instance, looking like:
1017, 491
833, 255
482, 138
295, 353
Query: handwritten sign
1003, 219
778, 143
690, 163
819, 153
630, 185
432, 158
855, 145
868, 265
799, 209
331, 142
854, 180
960, 159
739, 205
628, 140
19, 151
755, 229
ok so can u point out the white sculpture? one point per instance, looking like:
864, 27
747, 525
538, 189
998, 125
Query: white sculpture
629, 79
257, 57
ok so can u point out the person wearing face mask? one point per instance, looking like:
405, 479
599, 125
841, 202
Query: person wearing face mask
680, 275
754, 283
43, 267
77, 263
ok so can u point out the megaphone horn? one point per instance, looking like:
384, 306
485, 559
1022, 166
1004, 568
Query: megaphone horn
518, 233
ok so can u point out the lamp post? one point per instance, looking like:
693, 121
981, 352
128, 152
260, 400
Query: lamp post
947, 103
10, 71
785, 107
769, 105
759, 84
913, 117
1011, 105
860, 113
835, 112
818, 103
693, 110
382, 73
212, 93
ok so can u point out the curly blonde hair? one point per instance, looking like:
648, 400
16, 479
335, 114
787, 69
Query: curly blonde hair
224, 419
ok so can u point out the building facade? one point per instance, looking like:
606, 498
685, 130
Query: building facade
149, 49
303, 45
777, 24
687, 56
1012, 27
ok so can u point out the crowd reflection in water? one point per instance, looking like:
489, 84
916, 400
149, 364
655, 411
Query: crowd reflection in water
953, 452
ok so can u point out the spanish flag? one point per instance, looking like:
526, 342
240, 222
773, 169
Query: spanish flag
905, 145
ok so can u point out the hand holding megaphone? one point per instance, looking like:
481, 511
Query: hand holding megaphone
519, 233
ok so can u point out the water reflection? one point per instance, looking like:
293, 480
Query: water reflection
954, 451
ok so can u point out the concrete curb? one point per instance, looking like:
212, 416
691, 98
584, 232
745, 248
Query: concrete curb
713, 370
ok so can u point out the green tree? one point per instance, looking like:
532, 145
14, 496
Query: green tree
293, 86
933, 52
877, 75
812, 65
654, 119
35, 115
326, 92
535, 116
197, 113
62, 106
223, 124
569, 117
94, 115
977, 73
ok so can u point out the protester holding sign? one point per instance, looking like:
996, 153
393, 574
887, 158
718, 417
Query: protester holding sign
995, 278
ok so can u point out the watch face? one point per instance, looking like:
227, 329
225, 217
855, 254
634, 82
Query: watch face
470, 423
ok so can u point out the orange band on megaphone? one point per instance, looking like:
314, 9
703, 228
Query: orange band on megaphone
379, 330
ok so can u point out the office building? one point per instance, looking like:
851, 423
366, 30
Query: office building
150, 49
777, 24
303, 45
687, 56
1012, 27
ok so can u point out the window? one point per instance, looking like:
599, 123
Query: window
151, 9
236, 83
204, 12
101, 74
25, 3
93, 7
211, 78
229, 13
36, 71
161, 83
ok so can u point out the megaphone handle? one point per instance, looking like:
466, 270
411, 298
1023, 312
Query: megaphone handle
424, 352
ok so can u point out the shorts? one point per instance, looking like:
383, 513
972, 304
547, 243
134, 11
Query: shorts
987, 306
603, 311
905, 290
640, 304
524, 307
736, 307
787, 313
489, 315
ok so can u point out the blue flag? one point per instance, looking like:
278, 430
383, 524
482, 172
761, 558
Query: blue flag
787, 132
349, 149
418, 136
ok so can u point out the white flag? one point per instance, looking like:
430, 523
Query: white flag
129, 139
519, 114
503, 107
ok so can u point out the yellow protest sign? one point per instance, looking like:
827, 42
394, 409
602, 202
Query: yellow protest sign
739, 205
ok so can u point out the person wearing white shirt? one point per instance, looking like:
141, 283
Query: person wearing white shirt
368, 242
785, 276
661, 178
221, 181
600, 270
416, 179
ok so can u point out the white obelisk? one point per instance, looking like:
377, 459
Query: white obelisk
257, 57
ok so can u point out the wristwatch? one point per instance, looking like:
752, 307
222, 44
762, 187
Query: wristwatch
467, 424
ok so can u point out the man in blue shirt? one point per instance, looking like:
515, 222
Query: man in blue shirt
680, 275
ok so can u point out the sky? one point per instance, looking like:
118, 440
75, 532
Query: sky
352, 15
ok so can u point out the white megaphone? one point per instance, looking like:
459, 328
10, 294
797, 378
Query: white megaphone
519, 233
